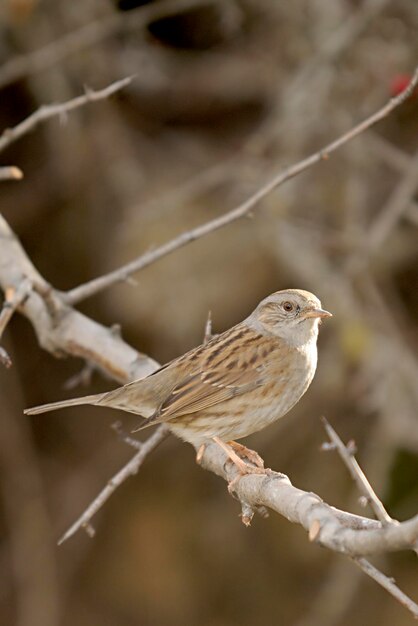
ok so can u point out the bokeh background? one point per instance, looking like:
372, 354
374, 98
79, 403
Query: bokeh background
225, 94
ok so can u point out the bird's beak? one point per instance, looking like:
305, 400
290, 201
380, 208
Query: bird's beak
317, 313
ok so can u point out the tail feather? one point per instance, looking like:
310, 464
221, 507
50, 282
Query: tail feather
52, 406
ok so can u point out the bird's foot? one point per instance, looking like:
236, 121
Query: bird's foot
247, 453
243, 467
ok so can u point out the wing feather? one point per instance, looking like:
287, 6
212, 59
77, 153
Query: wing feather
214, 383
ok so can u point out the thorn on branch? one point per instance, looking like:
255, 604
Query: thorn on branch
10, 172
5, 359
90, 530
247, 514
314, 530
130, 280
327, 446
116, 330
248, 511
351, 447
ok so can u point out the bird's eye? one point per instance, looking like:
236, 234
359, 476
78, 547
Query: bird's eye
288, 307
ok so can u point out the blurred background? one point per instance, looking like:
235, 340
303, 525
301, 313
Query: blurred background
225, 94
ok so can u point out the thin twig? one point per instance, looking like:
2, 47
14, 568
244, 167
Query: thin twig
103, 282
388, 584
10, 135
63, 330
357, 474
131, 468
10, 172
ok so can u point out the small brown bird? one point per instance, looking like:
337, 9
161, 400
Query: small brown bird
235, 384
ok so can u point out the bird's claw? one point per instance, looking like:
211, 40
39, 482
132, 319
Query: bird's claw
247, 453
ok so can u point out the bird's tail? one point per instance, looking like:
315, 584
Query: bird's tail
44, 408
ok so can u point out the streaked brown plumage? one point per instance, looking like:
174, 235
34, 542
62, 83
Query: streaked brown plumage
237, 383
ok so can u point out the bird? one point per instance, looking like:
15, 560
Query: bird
235, 384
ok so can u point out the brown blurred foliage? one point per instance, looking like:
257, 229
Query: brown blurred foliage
225, 94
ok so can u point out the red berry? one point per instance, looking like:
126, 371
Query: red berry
399, 83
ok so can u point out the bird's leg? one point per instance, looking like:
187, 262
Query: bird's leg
246, 453
243, 468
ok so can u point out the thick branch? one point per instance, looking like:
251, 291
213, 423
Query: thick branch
334, 529
60, 329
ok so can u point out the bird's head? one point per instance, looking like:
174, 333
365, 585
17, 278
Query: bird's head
292, 314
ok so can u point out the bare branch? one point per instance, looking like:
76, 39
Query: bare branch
59, 325
347, 456
60, 329
388, 584
130, 469
10, 135
103, 282
334, 529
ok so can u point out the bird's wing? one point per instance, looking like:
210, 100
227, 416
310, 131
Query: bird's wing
218, 378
